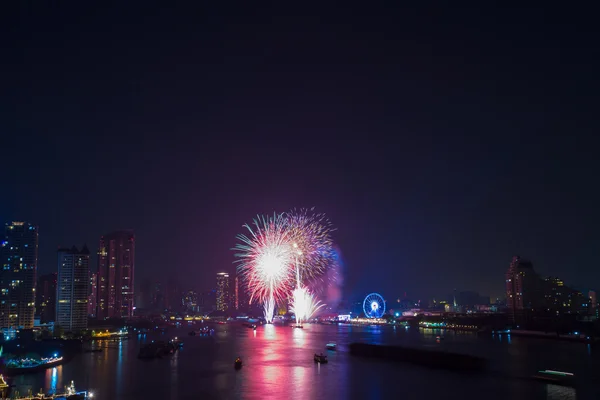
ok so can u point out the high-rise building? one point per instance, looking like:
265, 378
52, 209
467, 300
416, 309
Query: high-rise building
222, 291
241, 300
45, 298
523, 288
116, 265
236, 293
72, 292
93, 293
18, 259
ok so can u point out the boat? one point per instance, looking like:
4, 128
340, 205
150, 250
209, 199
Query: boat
93, 350
297, 326
555, 377
238, 363
24, 366
330, 346
320, 358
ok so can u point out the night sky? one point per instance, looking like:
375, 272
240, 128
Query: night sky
439, 141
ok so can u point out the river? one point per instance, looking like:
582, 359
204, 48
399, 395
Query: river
278, 364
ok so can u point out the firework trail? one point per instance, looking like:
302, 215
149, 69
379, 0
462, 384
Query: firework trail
265, 261
304, 305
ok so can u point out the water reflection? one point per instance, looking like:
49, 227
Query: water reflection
278, 363
119, 365
270, 332
298, 335
53, 379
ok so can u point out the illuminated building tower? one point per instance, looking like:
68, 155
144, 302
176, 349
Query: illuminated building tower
222, 291
18, 259
240, 295
523, 288
45, 298
116, 265
236, 293
93, 293
73, 289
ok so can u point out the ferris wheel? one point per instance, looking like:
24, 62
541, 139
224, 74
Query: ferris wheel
374, 306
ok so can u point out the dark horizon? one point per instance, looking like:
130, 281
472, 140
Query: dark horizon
440, 142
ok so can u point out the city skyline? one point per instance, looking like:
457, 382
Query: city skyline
203, 286
74, 292
206, 286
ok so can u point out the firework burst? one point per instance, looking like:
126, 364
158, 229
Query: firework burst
281, 256
265, 261
310, 236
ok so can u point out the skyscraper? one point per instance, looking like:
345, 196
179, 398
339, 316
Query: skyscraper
93, 293
72, 289
241, 298
18, 258
523, 288
45, 297
116, 265
222, 291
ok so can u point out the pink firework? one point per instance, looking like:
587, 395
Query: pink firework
265, 261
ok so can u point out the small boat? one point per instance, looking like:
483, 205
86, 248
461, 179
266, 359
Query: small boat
320, 358
297, 326
555, 377
330, 346
238, 363
439, 338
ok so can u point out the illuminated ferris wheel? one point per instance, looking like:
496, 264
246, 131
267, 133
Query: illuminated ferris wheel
374, 306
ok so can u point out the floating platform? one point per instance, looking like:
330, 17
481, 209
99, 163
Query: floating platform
427, 358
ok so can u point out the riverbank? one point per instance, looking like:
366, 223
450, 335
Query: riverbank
581, 338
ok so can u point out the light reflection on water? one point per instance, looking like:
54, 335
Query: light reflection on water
278, 363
